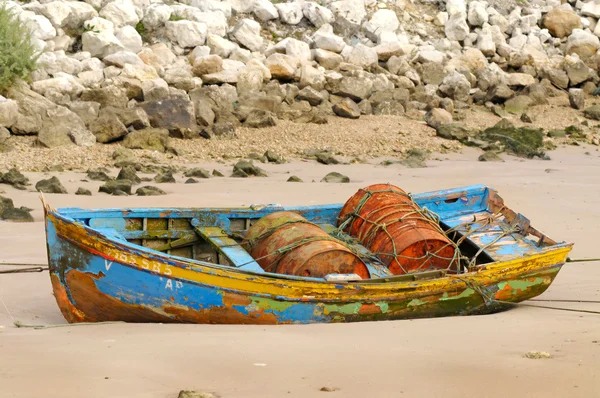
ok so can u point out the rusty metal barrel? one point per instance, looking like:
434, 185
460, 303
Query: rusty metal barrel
287, 243
391, 225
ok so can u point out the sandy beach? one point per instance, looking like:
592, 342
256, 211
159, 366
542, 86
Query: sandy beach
478, 356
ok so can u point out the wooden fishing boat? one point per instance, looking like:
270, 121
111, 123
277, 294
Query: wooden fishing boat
189, 266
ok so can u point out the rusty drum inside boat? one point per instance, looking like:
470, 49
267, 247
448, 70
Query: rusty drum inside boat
391, 225
287, 243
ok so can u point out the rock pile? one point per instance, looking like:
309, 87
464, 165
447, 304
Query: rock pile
141, 71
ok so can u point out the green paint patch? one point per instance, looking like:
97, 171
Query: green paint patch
352, 308
268, 304
415, 303
383, 306
522, 285
466, 293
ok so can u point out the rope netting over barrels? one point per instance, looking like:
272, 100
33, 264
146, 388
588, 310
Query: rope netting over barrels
282, 251
411, 212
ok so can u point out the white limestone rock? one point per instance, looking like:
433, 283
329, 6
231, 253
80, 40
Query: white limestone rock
247, 33
265, 10
477, 15
327, 59
91, 78
186, 33
582, 43
313, 77
290, 13
325, 39
156, 16
9, 112
41, 28
363, 56
381, 21
591, 9
485, 42
121, 58
100, 44
349, 12
241, 6
130, 39
281, 66
316, 14
441, 18
57, 12
120, 13
62, 84
456, 28
298, 49
220, 46
454, 7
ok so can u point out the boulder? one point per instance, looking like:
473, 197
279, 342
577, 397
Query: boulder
218, 46
247, 33
245, 168
316, 14
83, 192
176, 115
124, 157
128, 173
310, 95
265, 10
15, 178
149, 190
325, 39
327, 59
155, 16
363, 56
120, 13
582, 43
186, 33
593, 112
165, 177
591, 9
63, 127
335, 177
121, 58
130, 39
290, 13
106, 96
518, 104
259, 118
206, 65
108, 129
577, 71
116, 187
9, 111
438, 117
155, 139
17, 215
197, 172
456, 86
477, 14
281, 66
98, 175
354, 87
560, 22
577, 98
347, 109
51, 185
456, 28
454, 131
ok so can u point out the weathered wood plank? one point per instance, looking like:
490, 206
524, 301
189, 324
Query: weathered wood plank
227, 247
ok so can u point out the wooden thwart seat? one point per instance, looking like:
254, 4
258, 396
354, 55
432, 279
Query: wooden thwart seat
226, 246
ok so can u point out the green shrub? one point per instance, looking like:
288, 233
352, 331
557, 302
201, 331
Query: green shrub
17, 54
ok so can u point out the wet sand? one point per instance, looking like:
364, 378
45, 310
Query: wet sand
478, 356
